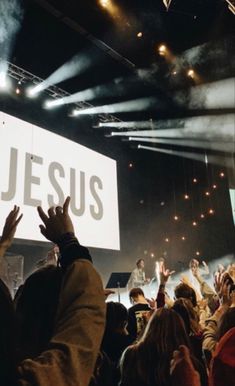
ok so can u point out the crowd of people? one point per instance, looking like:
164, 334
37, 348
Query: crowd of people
60, 329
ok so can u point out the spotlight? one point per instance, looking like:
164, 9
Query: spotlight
207, 193
194, 223
130, 165
198, 253
152, 255
183, 238
139, 34
202, 215
191, 73
174, 72
104, 3
194, 180
167, 240
186, 197
211, 211
222, 175
162, 50
214, 186
176, 218
18, 91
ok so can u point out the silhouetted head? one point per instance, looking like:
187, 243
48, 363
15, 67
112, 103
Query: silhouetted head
183, 290
36, 309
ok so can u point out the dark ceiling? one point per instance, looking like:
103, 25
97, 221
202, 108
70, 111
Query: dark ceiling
53, 31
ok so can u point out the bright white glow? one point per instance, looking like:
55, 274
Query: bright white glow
33, 91
74, 67
216, 160
220, 146
129, 106
216, 95
48, 167
3, 80
212, 128
53, 103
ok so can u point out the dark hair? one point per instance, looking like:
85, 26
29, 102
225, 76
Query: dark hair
227, 322
8, 335
116, 315
164, 333
192, 314
182, 311
183, 290
138, 261
135, 292
36, 310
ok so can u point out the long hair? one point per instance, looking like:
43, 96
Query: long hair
152, 355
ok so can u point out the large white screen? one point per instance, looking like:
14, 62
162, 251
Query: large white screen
42, 168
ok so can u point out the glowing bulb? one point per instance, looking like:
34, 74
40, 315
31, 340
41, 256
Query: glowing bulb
152, 255
194, 223
17, 91
176, 218
191, 73
183, 238
174, 72
130, 165
211, 211
139, 34
194, 180
202, 215
222, 175
214, 186
186, 197
167, 240
198, 253
162, 49
104, 3
207, 193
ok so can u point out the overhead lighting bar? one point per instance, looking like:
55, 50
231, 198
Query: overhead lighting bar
231, 5
227, 147
23, 76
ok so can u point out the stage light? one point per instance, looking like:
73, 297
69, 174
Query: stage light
162, 203
130, 165
167, 240
32, 92
194, 223
202, 215
176, 218
191, 73
152, 255
18, 91
162, 49
222, 175
214, 186
198, 253
139, 34
183, 238
194, 180
211, 211
174, 72
207, 193
186, 197
104, 3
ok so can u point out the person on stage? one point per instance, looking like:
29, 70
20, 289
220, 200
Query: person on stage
138, 278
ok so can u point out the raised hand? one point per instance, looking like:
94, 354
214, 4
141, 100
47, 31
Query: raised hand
57, 222
182, 370
10, 227
164, 273
222, 286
